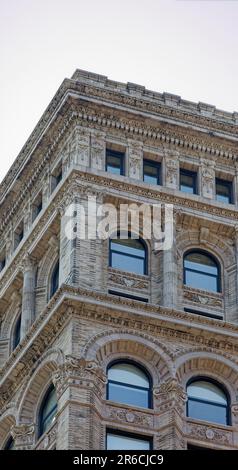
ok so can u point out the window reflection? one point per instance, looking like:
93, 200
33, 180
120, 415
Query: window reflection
127, 442
207, 401
129, 384
201, 271
128, 255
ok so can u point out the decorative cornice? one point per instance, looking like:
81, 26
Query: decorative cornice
169, 136
127, 314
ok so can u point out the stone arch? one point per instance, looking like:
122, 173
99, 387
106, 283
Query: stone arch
218, 247
153, 355
7, 421
37, 384
221, 250
45, 270
11, 316
207, 364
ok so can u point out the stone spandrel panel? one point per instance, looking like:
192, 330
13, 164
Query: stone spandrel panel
171, 168
77, 149
98, 150
207, 179
135, 159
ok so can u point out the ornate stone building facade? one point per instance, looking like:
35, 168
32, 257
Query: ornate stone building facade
75, 327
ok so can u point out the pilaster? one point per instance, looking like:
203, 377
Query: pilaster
28, 295
135, 159
171, 168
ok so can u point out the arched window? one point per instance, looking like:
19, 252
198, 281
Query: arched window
17, 333
130, 384
128, 255
54, 282
202, 271
208, 401
48, 410
10, 444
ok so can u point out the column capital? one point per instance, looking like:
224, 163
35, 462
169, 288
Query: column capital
23, 436
28, 263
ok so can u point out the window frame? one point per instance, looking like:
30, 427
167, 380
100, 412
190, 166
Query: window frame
41, 432
9, 443
119, 432
203, 378
209, 255
52, 290
120, 156
153, 164
140, 367
16, 330
194, 175
228, 184
145, 273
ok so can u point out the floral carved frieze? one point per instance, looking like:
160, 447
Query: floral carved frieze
202, 298
129, 416
131, 282
209, 433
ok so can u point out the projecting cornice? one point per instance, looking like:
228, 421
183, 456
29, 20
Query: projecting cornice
196, 333
135, 98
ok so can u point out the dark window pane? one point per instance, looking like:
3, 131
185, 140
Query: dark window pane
17, 333
128, 395
10, 445
207, 412
188, 182
54, 280
115, 162
48, 411
151, 173
224, 191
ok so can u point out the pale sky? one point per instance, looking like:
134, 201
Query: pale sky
185, 47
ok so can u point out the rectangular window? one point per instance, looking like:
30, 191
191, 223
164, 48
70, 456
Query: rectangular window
126, 441
188, 181
56, 177
224, 191
128, 296
18, 235
205, 314
37, 207
115, 162
151, 172
2, 260
207, 411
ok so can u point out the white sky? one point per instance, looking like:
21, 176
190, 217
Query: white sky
186, 47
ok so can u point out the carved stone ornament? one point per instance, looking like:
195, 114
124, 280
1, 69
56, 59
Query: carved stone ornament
127, 281
202, 299
170, 387
204, 432
98, 146
208, 178
129, 416
78, 368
